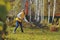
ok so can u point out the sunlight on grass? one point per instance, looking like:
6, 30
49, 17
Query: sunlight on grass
32, 34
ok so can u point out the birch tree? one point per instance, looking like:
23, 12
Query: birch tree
48, 10
38, 9
42, 9
54, 9
35, 9
30, 10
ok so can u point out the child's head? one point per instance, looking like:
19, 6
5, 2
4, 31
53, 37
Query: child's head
22, 10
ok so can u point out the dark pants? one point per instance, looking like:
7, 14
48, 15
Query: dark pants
17, 24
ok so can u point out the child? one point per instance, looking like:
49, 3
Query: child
19, 19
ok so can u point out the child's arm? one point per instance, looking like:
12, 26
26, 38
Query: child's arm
26, 20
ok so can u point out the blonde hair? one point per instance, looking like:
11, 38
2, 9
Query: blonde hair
22, 10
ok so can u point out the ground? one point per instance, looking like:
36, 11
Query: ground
32, 34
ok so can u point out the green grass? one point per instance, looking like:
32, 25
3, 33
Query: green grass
32, 34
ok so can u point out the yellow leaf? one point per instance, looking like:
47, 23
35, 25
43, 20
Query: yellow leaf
1, 28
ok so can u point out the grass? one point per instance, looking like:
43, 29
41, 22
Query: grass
33, 34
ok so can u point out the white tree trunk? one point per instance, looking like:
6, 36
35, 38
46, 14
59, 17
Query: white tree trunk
38, 9
38, 15
48, 10
42, 9
35, 9
54, 8
30, 10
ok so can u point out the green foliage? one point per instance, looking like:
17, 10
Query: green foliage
6, 3
3, 12
1, 23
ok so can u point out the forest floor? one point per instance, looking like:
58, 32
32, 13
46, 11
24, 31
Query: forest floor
32, 34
